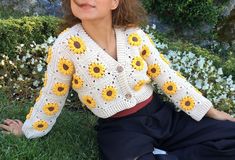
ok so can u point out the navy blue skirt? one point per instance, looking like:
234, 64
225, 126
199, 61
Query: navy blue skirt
158, 125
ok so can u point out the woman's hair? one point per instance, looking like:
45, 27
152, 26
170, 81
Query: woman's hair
129, 13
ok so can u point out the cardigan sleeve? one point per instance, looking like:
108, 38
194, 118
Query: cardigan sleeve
183, 94
57, 79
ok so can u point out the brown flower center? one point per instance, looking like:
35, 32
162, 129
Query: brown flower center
88, 101
138, 63
40, 126
65, 67
96, 69
77, 44
76, 81
187, 103
153, 70
60, 89
135, 39
170, 88
109, 93
51, 108
143, 52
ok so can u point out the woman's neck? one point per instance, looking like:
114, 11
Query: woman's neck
102, 32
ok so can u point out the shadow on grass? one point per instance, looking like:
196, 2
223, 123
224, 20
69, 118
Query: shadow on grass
73, 137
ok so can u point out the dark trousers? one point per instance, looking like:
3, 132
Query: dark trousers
159, 125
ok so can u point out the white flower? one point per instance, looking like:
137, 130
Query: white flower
201, 62
220, 72
50, 40
36, 83
198, 83
39, 67
153, 26
32, 61
2, 62
22, 66
20, 78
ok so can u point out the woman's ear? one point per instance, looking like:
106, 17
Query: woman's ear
115, 4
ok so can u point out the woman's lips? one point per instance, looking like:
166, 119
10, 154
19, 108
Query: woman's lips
86, 6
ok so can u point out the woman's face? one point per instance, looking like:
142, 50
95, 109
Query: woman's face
93, 9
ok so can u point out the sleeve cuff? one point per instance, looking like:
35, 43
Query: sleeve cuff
201, 111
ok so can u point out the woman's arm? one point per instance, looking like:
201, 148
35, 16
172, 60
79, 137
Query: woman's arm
219, 115
183, 94
42, 116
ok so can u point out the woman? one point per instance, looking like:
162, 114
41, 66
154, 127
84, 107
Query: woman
111, 63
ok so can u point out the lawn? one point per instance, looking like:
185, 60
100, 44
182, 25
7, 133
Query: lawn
73, 137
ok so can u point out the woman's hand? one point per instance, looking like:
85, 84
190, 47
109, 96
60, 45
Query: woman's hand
219, 115
12, 127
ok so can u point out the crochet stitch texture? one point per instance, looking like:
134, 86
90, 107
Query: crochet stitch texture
106, 85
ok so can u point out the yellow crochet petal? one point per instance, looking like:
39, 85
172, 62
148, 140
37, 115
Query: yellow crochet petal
154, 70
77, 82
145, 52
187, 103
109, 93
139, 85
89, 101
169, 87
134, 39
96, 70
50, 108
40, 125
65, 66
60, 89
137, 63
76, 45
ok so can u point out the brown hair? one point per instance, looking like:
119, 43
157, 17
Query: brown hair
129, 13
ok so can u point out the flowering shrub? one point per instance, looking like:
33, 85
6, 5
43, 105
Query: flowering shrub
22, 77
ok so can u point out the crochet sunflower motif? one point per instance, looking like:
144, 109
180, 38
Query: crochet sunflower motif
137, 63
40, 94
45, 79
60, 89
139, 85
77, 82
153, 70
134, 39
164, 59
30, 113
187, 103
96, 70
40, 125
89, 101
50, 108
145, 52
109, 93
76, 45
169, 87
65, 66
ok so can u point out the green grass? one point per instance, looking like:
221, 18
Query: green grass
73, 137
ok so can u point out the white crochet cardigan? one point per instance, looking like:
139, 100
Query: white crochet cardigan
106, 85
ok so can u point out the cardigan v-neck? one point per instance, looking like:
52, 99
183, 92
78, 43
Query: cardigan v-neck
120, 45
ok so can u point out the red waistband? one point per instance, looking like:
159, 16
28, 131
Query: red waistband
133, 109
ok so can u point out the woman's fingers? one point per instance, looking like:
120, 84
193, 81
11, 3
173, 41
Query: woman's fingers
19, 122
10, 121
8, 128
5, 132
